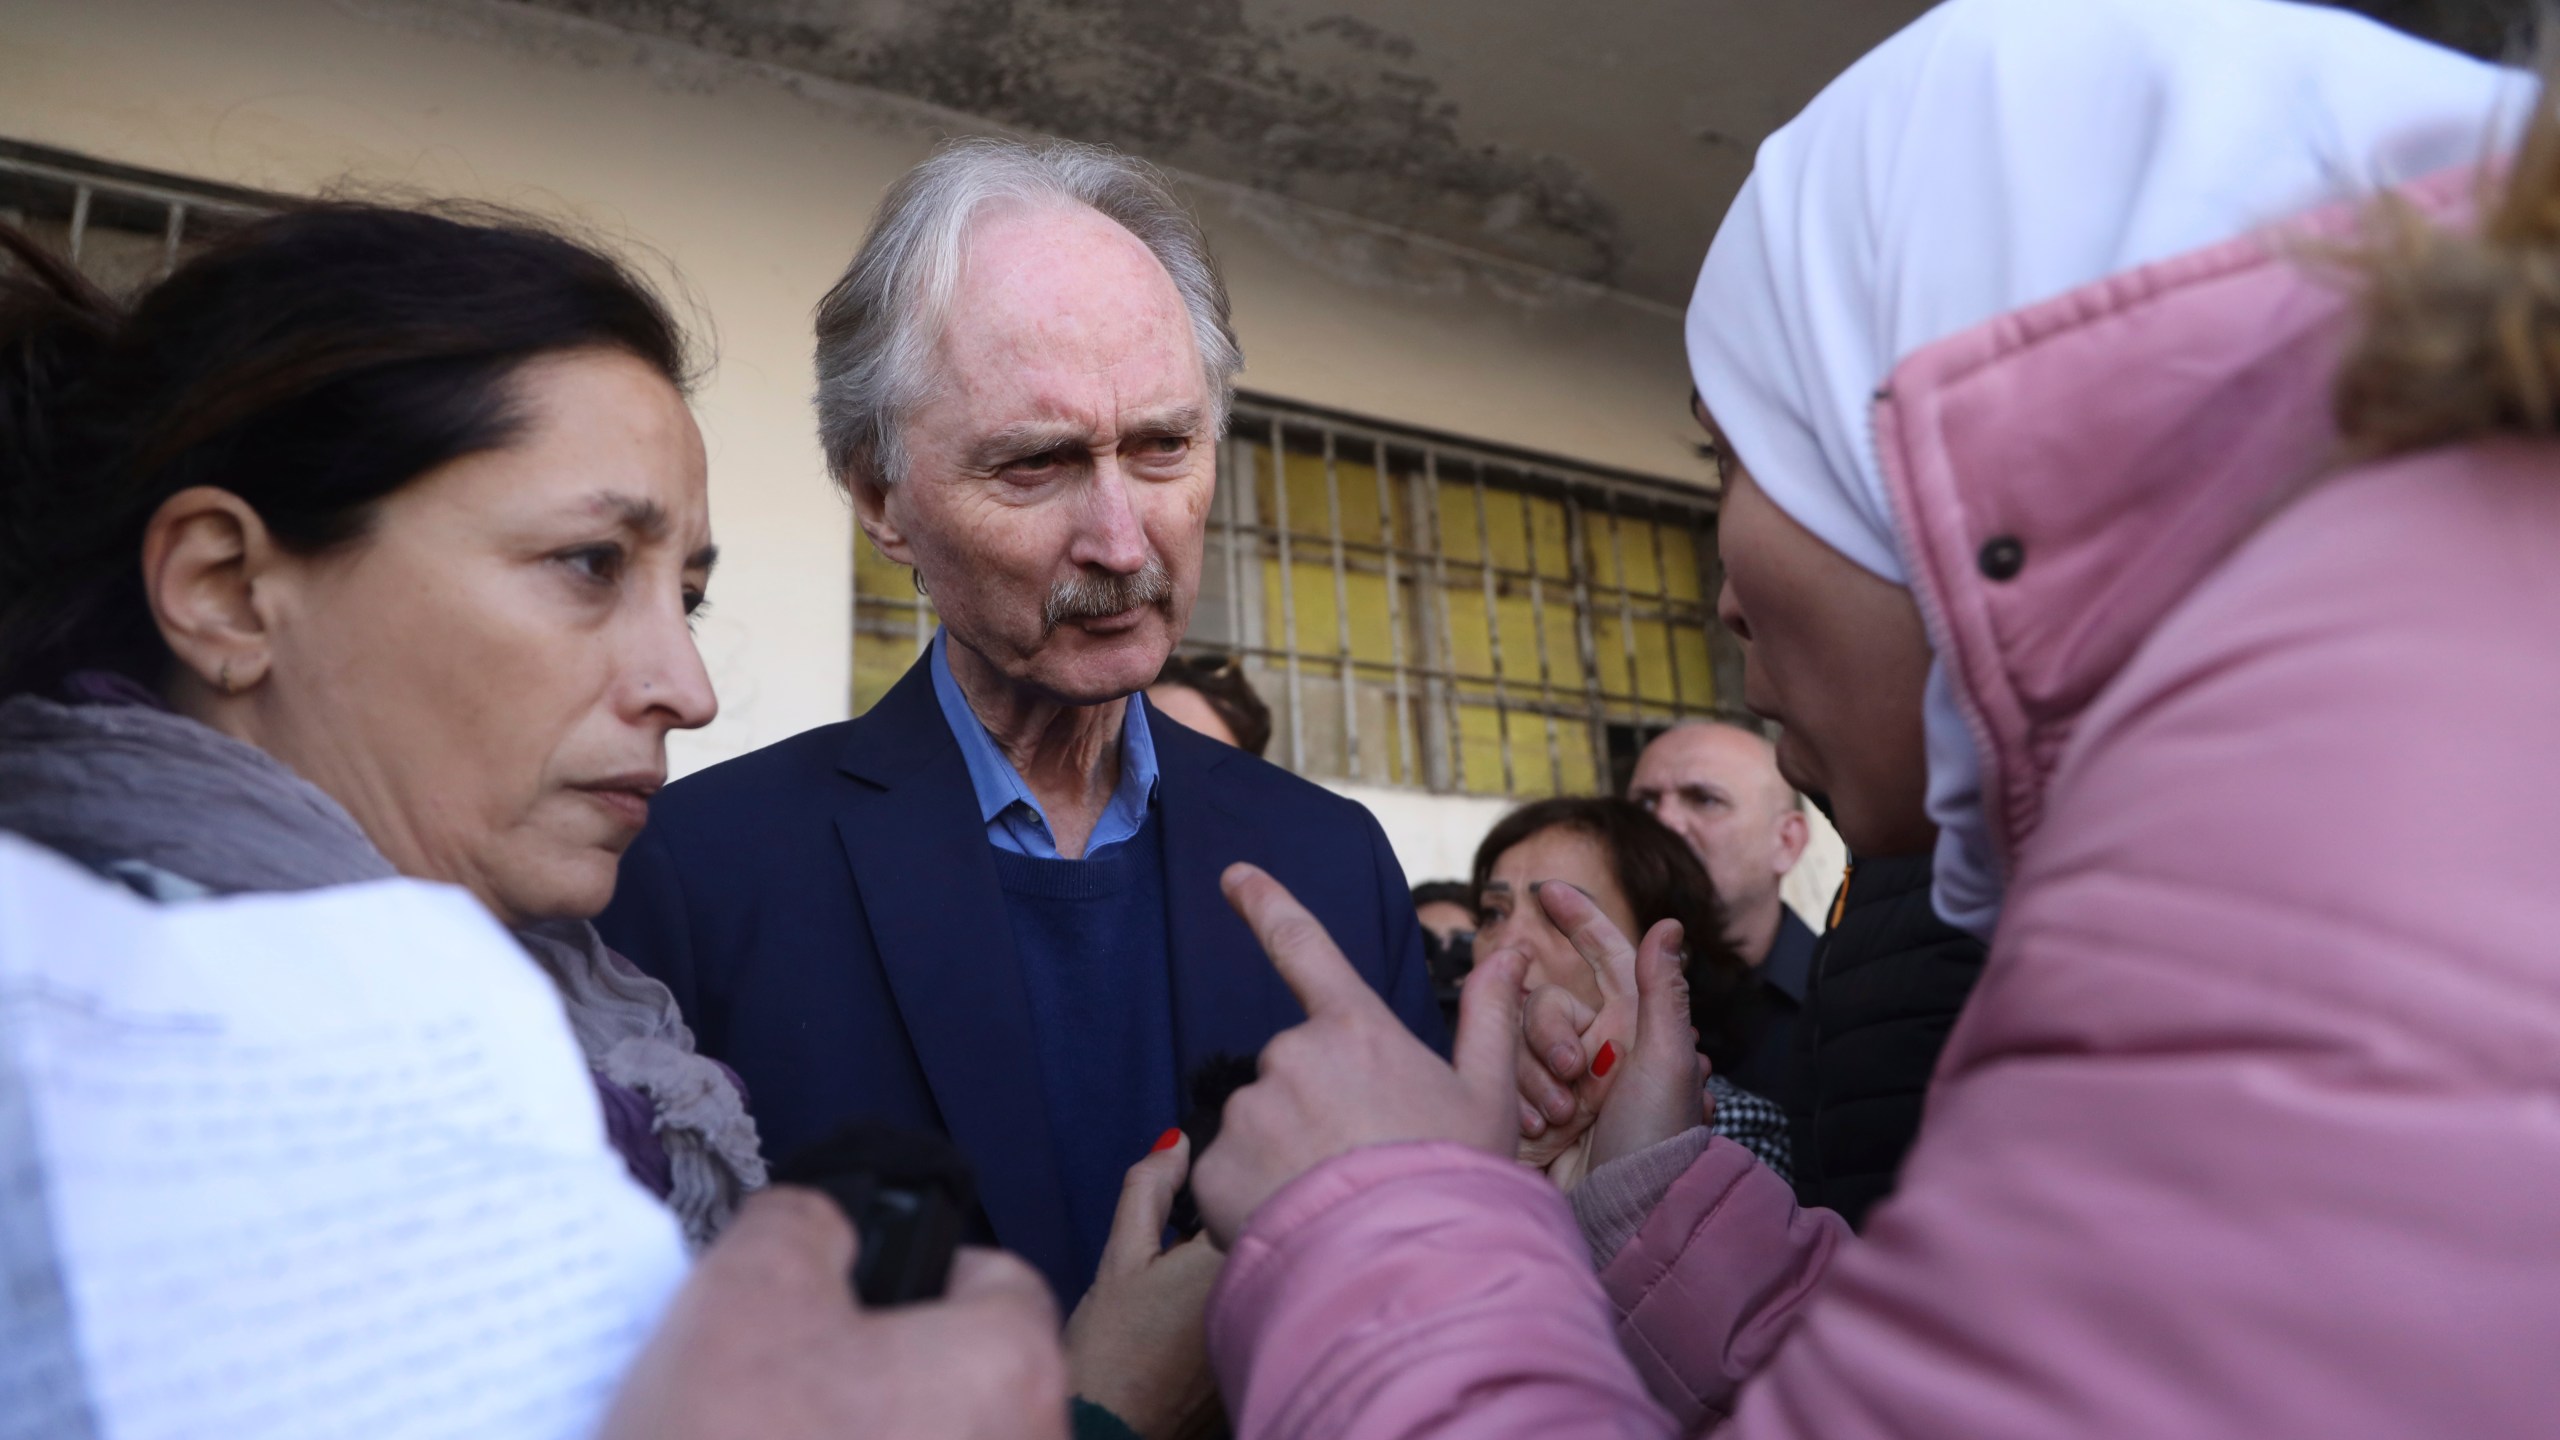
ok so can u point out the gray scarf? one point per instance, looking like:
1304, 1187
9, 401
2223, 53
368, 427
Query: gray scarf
134, 789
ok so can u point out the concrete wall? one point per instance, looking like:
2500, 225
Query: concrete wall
753, 186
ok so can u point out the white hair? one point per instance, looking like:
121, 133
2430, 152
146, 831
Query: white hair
878, 328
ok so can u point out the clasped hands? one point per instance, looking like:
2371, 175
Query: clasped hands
1537, 1076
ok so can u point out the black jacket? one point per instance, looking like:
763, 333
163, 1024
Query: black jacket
1772, 1063
1888, 980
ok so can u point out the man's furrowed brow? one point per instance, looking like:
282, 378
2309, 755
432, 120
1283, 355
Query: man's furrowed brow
1177, 420
706, 558
1039, 437
1027, 438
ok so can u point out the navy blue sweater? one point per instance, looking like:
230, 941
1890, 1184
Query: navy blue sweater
1098, 969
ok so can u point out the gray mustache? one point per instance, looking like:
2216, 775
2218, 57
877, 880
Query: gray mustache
1091, 597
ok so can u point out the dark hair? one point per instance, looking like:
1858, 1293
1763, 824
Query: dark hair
1447, 892
311, 362
1662, 881
1221, 682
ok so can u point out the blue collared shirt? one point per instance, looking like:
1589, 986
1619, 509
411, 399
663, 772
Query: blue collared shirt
1015, 822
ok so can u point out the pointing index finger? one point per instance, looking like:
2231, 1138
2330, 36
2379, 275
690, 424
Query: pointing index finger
1300, 950
1610, 955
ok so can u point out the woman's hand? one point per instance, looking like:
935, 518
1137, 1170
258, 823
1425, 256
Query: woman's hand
1598, 1085
1137, 1345
1568, 1050
765, 1340
1352, 1075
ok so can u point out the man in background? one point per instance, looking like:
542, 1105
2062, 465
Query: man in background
1716, 785
1447, 910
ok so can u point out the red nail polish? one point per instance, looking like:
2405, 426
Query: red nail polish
1608, 1056
1166, 1141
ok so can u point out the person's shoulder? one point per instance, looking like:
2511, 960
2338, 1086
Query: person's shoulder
785, 773
1265, 792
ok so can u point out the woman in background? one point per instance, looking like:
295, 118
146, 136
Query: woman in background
1638, 874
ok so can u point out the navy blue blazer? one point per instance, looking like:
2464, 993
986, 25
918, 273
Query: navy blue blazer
827, 912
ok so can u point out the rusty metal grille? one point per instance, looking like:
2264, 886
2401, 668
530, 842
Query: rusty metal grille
123, 227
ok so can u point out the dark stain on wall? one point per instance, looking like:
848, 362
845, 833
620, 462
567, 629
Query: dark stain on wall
1333, 112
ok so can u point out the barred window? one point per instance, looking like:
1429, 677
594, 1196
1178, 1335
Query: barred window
1422, 613
124, 227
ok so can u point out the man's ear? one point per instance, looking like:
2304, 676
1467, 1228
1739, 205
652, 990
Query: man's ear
871, 512
202, 557
1794, 833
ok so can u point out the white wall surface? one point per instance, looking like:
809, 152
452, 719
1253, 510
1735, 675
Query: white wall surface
754, 186
1434, 836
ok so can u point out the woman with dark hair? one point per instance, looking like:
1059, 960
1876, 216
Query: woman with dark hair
362, 545
1639, 875
1214, 698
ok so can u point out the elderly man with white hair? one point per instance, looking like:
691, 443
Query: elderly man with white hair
990, 905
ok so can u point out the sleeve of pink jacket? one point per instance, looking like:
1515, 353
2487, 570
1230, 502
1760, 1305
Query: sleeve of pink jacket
1713, 1280
1414, 1291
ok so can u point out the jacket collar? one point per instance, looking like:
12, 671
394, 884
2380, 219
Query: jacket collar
926, 875
1227, 1000
2063, 475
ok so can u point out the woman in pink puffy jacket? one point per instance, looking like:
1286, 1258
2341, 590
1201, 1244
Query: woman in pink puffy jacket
2115, 487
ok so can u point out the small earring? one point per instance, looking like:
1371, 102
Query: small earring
223, 678
917, 576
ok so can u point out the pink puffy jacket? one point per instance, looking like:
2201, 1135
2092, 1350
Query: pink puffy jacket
2253, 1125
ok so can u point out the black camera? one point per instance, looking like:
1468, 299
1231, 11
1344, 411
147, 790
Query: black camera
908, 1194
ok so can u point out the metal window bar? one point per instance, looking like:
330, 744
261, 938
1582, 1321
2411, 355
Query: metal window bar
1724, 660
1493, 635
1577, 534
1411, 562
1395, 619
1670, 639
1288, 599
1341, 615
171, 235
88, 198
80, 196
1626, 601
1237, 452
1538, 634
1454, 761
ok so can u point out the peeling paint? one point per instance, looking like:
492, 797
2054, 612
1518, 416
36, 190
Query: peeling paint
1334, 111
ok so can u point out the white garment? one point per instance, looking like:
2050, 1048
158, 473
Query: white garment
2000, 152
302, 1166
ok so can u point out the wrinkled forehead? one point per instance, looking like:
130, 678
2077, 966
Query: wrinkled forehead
1723, 754
1061, 306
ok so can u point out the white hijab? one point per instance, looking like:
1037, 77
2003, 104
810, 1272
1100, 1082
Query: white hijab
2001, 152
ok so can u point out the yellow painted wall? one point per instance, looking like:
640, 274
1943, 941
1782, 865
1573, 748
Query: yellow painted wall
755, 187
